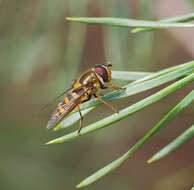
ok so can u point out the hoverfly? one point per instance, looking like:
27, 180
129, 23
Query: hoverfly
87, 85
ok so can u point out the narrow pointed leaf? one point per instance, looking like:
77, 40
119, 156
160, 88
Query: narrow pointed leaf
135, 87
165, 71
129, 76
127, 111
129, 23
142, 85
104, 171
180, 140
182, 18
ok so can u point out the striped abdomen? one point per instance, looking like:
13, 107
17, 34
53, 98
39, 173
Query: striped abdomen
70, 102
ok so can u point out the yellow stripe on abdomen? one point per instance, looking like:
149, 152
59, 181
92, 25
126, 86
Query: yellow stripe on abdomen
66, 100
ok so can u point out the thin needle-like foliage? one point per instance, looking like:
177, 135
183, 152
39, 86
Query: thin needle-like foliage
177, 77
127, 111
187, 135
182, 18
140, 85
130, 23
180, 140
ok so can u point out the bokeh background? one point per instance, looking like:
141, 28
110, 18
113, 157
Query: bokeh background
40, 54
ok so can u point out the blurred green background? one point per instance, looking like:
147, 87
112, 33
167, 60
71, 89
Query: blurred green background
40, 54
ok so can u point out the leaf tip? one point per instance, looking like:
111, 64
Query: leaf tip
79, 185
50, 142
56, 128
69, 18
134, 30
151, 160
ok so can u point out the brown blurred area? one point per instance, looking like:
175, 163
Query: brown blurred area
40, 54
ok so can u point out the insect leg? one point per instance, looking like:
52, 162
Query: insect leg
107, 104
89, 97
111, 85
81, 119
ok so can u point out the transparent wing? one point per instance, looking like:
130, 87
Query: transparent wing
54, 100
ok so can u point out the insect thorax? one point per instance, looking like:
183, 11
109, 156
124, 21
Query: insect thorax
88, 77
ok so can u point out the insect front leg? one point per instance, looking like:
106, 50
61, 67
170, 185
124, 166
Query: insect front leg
111, 85
107, 104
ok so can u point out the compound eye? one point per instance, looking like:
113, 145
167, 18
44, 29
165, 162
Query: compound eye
102, 72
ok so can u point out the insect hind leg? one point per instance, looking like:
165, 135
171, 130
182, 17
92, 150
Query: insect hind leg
81, 120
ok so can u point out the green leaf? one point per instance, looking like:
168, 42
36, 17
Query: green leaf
184, 137
148, 82
127, 111
143, 84
129, 23
182, 18
102, 172
129, 76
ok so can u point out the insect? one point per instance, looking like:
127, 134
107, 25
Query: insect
87, 85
